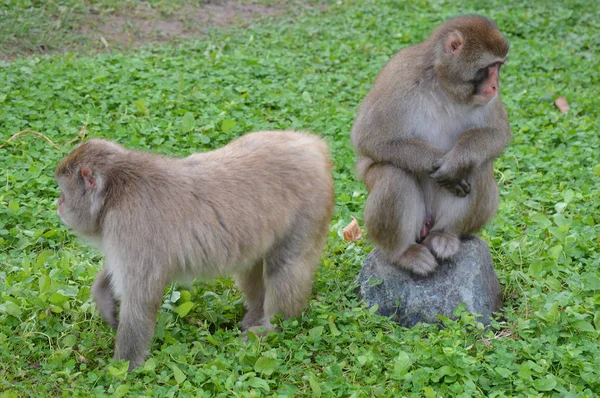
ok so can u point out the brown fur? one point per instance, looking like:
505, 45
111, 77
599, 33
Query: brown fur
258, 208
426, 144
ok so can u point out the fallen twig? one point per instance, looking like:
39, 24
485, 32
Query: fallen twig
30, 131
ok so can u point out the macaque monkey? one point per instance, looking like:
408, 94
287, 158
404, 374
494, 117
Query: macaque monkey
258, 208
426, 136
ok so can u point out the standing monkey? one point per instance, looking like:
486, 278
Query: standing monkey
258, 208
426, 136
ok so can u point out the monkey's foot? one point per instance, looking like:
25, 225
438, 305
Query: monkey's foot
252, 318
443, 245
418, 260
259, 330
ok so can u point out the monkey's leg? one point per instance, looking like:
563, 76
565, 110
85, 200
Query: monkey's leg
289, 270
250, 282
395, 213
137, 319
105, 298
455, 217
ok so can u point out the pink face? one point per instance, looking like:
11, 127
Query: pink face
487, 89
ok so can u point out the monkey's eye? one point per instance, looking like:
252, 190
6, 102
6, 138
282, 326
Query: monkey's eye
480, 76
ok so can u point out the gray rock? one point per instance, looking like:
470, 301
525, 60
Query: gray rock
468, 278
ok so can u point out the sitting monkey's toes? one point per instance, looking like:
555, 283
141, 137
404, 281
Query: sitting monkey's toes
418, 260
443, 245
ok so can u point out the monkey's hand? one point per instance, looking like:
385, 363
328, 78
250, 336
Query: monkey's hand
450, 174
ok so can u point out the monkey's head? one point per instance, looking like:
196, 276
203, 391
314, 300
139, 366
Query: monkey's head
469, 53
81, 177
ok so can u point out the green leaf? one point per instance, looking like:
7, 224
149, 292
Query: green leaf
332, 328
214, 342
555, 251
545, 384
306, 97
42, 257
49, 234
58, 299
401, 365
174, 297
44, 283
177, 373
120, 372
185, 296
568, 195
536, 268
314, 384
121, 391
561, 220
11, 308
188, 122
503, 372
596, 170
69, 341
13, 206
257, 382
227, 125
23, 243
141, 108
266, 365
183, 309
592, 282
583, 326
541, 220
150, 365
374, 282
429, 392
317, 331
597, 320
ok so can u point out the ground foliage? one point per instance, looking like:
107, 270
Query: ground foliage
309, 71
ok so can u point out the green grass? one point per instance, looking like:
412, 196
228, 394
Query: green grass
309, 72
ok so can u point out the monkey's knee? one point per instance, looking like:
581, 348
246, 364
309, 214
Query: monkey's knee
466, 216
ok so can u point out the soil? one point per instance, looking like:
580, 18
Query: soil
140, 27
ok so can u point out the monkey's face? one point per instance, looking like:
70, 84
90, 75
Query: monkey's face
76, 207
471, 53
487, 82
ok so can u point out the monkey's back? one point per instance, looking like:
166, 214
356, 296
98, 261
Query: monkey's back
215, 211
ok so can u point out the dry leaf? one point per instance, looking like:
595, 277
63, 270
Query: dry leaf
82, 359
352, 231
562, 104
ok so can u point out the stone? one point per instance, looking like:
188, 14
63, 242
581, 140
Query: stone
468, 278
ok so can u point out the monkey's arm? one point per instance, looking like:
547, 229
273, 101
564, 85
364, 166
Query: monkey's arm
475, 147
409, 154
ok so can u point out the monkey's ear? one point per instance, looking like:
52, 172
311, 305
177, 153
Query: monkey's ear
88, 177
454, 42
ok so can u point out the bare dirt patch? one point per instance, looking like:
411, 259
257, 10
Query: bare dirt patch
62, 26
137, 27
